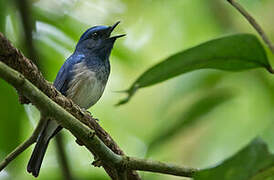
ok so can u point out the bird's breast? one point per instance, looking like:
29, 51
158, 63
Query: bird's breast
85, 88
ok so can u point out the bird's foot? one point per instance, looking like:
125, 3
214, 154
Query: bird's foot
89, 113
97, 162
79, 142
83, 111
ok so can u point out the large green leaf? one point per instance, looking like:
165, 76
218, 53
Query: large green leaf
253, 162
231, 53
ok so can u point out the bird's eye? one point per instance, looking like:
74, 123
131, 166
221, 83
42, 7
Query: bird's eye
94, 35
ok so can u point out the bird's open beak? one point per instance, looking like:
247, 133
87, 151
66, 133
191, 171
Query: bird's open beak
112, 28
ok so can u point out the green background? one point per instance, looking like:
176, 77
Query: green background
238, 108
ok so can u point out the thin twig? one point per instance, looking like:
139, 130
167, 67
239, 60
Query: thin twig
62, 157
253, 22
157, 166
22, 147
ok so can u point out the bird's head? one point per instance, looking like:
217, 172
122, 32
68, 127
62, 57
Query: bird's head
97, 40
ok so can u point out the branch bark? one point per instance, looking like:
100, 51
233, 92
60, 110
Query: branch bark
253, 22
157, 166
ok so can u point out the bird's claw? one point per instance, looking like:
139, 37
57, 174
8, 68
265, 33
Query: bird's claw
79, 142
83, 111
97, 163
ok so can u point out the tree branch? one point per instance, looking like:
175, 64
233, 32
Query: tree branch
253, 22
51, 109
21, 148
157, 166
83, 133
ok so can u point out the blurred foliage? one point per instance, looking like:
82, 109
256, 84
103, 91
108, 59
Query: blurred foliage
11, 117
2, 16
200, 123
190, 116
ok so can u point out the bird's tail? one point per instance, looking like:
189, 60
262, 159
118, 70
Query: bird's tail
38, 153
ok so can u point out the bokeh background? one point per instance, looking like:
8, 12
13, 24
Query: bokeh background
197, 120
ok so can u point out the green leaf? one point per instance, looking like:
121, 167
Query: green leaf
252, 160
201, 107
231, 53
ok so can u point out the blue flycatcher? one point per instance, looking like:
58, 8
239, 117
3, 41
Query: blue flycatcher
82, 78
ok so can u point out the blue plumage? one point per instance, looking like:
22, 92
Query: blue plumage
92, 30
82, 78
65, 73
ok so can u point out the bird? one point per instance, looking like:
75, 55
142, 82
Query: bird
82, 78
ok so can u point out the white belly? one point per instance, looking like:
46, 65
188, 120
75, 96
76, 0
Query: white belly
85, 89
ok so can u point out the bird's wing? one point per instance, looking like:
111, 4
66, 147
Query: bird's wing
65, 74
